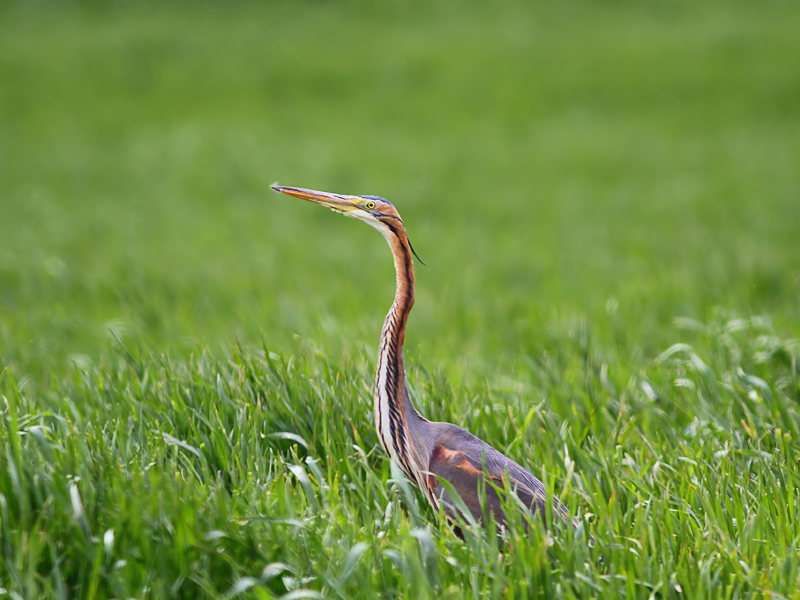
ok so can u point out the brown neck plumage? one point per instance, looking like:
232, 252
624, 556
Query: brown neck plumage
404, 292
393, 407
394, 329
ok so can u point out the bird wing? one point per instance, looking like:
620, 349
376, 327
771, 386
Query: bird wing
469, 464
473, 483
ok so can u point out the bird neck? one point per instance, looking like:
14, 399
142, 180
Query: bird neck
394, 411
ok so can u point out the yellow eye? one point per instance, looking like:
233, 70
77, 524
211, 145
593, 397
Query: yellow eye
370, 204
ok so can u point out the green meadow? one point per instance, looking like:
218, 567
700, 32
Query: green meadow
607, 198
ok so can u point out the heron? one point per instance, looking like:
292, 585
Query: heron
442, 459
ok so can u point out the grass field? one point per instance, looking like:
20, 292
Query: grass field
608, 199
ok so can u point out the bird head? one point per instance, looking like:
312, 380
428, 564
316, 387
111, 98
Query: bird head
373, 210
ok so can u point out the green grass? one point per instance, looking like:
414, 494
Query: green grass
607, 199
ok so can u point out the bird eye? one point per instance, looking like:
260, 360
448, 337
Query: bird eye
370, 204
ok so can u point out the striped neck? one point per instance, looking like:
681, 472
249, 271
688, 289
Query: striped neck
393, 408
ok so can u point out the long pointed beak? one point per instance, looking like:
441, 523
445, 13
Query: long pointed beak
337, 202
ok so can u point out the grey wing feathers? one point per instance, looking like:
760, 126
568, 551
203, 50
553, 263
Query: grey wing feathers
484, 458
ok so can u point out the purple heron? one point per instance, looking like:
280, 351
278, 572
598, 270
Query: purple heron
429, 453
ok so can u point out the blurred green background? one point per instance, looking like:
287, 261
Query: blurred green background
558, 165
577, 175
